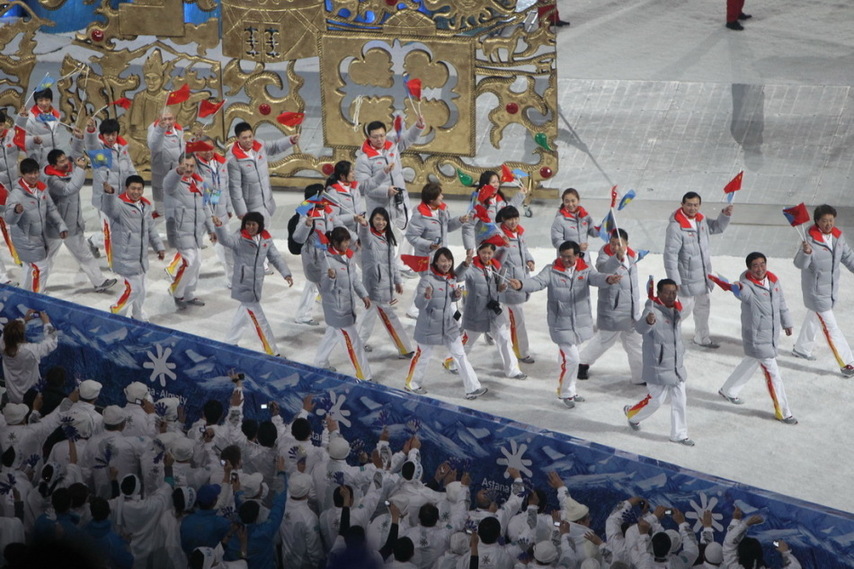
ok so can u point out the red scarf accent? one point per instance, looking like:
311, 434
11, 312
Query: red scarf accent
447, 276
124, 197
682, 219
580, 265
341, 188
772, 278
119, 140
51, 170
513, 234
608, 251
37, 111
816, 233
427, 210
334, 251
372, 152
493, 264
238, 151
216, 158
39, 186
580, 213
245, 234
377, 233
677, 305
192, 181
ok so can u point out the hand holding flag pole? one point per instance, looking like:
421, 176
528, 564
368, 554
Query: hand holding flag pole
413, 89
796, 216
733, 186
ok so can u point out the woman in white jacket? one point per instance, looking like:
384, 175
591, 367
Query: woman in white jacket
742, 552
21, 358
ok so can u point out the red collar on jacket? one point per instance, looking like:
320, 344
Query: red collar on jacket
486, 193
124, 197
238, 151
677, 305
319, 211
427, 210
772, 278
608, 251
344, 189
682, 219
378, 233
580, 213
119, 140
493, 264
512, 234
216, 158
193, 181
580, 265
37, 111
372, 152
51, 170
447, 276
245, 234
348, 253
816, 233
39, 186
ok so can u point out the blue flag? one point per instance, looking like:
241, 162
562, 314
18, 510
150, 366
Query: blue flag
101, 158
47, 82
626, 199
487, 231
607, 227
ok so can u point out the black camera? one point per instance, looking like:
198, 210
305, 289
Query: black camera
494, 306
398, 197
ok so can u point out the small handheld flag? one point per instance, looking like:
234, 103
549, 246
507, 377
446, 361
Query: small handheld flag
608, 225
487, 231
506, 174
519, 173
417, 264
179, 95
398, 125
626, 199
796, 215
650, 287
642, 253
198, 146
735, 184
123, 102
413, 87
290, 119
614, 196
101, 158
20, 138
47, 82
208, 108
721, 281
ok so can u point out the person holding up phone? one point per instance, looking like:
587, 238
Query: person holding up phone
21, 358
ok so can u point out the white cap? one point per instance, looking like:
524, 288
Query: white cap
591, 563
136, 390
299, 485
251, 484
675, 540
15, 413
545, 552
574, 511
182, 449
171, 404
83, 424
460, 543
339, 448
114, 415
714, 553
90, 389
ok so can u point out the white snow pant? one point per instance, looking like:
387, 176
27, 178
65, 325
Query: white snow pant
79, 249
656, 397
418, 365
132, 297
568, 360
35, 275
226, 260
603, 340
701, 305
741, 375
500, 331
826, 322
353, 344
187, 278
518, 330
305, 310
252, 312
390, 321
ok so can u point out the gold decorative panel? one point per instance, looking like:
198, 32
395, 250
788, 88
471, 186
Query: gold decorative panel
267, 31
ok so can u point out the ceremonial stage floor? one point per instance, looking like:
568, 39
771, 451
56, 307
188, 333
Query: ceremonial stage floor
658, 96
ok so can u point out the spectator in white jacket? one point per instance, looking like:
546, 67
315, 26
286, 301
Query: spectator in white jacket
742, 552
21, 358
663, 554
302, 547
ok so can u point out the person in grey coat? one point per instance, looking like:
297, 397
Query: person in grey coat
569, 316
249, 172
29, 212
572, 222
688, 261
340, 287
484, 313
763, 314
64, 182
213, 167
488, 200
382, 280
252, 246
132, 225
618, 307
345, 198
188, 220
663, 362
166, 143
43, 121
437, 325
820, 259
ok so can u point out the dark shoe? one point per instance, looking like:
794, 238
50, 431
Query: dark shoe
735, 26
561, 23
105, 285
790, 420
180, 303
196, 302
744, 16
582, 371
526, 360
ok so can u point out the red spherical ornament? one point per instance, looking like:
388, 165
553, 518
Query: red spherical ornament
97, 35
390, 2
327, 169
511, 108
546, 172
264, 109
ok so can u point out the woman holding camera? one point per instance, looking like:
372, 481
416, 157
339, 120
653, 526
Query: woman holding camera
484, 314
21, 358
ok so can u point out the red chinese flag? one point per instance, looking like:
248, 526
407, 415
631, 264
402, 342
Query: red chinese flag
414, 88
207, 108
178, 96
723, 283
797, 215
417, 264
506, 174
124, 103
735, 184
289, 118
20, 138
199, 146
614, 197
398, 124
650, 287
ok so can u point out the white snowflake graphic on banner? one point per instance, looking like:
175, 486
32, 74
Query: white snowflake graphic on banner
336, 411
697, 514
159, 365
513, 459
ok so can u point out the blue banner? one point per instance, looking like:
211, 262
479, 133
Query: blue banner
117, 351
